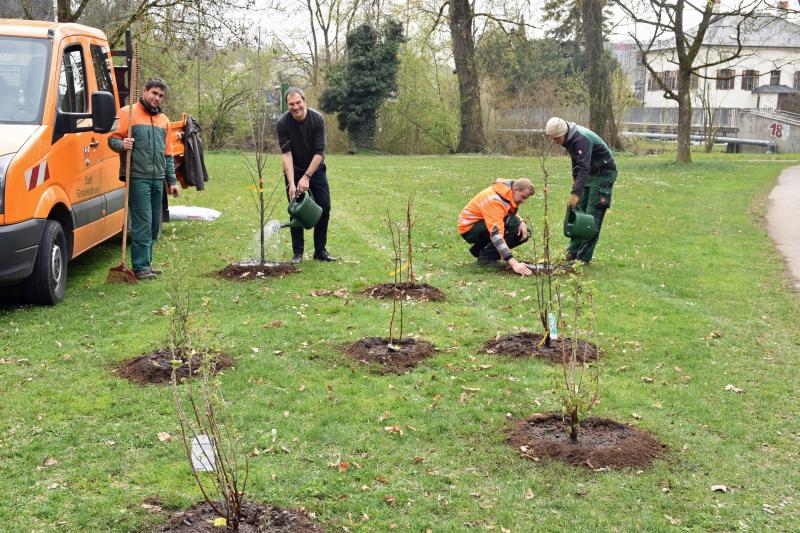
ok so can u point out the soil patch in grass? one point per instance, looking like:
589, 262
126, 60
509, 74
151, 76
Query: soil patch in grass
404, 291
250, 270
601, 443
155, 368
527, 345
256, 518
375, 352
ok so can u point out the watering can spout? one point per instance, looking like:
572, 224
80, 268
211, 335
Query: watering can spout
293, 223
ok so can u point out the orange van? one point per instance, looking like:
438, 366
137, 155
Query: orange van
60, 192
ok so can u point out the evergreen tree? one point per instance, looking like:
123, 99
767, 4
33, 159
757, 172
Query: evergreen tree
358, 86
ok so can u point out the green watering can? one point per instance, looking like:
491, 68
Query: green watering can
579, 225
304, 212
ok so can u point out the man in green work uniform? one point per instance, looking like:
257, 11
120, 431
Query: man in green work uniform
593, 176
148, 135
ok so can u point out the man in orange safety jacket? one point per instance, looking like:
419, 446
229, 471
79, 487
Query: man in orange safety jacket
490, 223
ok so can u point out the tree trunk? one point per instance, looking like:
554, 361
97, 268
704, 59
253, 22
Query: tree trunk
684, 117
471, 137
601, 112
65, 13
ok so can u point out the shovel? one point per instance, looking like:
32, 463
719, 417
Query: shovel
121, 273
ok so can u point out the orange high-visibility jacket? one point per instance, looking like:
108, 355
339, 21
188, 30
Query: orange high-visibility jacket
492, 205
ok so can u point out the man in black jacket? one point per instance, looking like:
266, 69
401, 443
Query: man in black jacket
593, 174
301, 137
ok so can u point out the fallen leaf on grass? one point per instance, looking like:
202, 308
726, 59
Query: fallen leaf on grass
713, 335
417, 460
393, 429
647, 379
673, 521
636, 416
529, 494
343, 466
390, 500
719, 488
163, 436
151, 508
50, 462
730, 388
469, 389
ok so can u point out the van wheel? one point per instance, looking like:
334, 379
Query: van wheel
48, 281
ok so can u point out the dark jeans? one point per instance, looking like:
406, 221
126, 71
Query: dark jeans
318, 185
595, 200
481, 241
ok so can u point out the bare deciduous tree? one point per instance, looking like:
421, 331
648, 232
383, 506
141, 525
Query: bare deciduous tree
671, 38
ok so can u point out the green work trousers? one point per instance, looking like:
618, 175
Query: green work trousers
595, 199
144, 205
478, 235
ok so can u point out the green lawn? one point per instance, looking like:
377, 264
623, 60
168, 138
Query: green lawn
684, 253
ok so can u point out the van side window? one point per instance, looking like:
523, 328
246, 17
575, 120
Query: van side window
72, 81
101, 68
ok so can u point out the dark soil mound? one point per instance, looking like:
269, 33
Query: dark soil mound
375, 351
156, 367
404, 291
527, 345
602, 443
256, 518
255, 270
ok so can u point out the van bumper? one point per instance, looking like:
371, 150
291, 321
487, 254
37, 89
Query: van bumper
19, 244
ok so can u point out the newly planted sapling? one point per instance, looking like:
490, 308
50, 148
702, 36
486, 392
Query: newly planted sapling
211, 444
579, 386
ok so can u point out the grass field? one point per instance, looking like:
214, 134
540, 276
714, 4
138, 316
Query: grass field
692, 294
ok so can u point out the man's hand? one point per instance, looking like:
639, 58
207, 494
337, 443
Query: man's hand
523, 230
127, 143
173, 190
573, 200
292, 190
520, 268
302, 185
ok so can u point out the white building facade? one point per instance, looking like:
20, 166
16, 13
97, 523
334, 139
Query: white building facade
768, 66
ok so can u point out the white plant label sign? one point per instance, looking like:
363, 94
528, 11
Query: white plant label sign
203, 458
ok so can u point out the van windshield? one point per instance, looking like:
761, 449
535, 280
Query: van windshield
23, 65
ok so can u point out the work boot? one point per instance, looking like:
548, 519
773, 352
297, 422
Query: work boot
325, 257
156, 271
570, 256
296, 259
475, 249
142, 275
486, 261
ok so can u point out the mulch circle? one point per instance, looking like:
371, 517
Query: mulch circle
374, 351
404, 291
256, 518
527, 345
247, 271
155, 368
601, 443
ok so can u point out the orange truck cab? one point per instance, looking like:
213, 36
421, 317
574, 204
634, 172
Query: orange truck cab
60, 192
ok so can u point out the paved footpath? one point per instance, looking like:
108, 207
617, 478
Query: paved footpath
782, 219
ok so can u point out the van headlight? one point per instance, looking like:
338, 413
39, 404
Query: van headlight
5, 160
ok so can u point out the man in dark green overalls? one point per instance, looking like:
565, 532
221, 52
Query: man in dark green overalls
593, 176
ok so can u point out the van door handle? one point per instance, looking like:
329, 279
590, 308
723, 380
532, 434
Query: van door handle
94, 144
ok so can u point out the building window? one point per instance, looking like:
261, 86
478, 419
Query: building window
725, 78
652, 82
749, 78
797, 80
775, 77
671, 79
